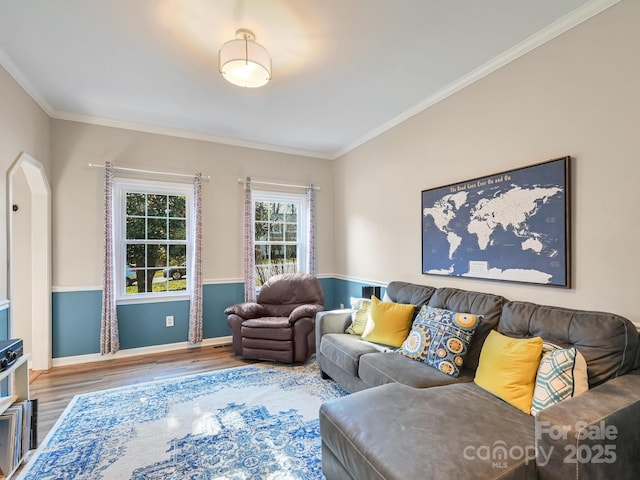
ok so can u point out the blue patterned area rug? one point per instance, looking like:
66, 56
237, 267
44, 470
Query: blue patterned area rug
255, 422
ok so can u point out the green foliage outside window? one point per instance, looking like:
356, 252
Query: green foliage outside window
276, 239
156, 240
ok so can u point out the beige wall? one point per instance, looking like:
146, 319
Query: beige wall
577, 95
24, 127
78, 199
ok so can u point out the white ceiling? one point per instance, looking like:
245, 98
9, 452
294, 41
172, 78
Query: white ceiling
343, 70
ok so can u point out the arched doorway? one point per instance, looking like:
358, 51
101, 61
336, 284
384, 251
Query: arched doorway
29, 203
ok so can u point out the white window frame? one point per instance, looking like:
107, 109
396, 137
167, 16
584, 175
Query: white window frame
122, 186
300, 199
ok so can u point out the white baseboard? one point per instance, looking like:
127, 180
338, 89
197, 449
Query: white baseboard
133, 352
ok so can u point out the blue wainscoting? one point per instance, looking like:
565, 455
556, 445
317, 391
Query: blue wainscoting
75, 323
345, 289
76, 320
4, 322
76, 317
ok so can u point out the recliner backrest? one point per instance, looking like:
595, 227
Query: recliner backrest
291, 289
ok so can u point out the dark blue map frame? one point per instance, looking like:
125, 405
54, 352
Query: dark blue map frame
510, 226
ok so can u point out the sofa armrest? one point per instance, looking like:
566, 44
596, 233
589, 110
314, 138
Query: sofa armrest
594, 435
333, 321
330, 321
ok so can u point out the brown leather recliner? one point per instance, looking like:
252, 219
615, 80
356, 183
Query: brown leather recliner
280, 325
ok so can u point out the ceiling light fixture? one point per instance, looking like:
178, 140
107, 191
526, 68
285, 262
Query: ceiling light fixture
244, 62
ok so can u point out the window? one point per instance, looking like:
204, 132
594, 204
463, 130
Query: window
280, 224
153, 238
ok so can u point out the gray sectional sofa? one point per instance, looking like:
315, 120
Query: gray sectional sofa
406, 420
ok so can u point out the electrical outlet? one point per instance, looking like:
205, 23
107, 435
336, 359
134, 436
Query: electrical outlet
169, 320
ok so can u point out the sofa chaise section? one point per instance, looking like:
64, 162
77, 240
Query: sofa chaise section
396, 432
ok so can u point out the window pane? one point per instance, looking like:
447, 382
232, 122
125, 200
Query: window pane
263, 271
291, 232
157, 229
261, 230
177, 229
261, 211
292, 253
135, 203
177, 255
262, 254
292, 213
135, 255
277, 212
277, 253
135, 228
276, 233
130, 278
156, 256
177, 206
157, 205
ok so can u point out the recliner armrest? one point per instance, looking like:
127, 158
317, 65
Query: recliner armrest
247, 310
303, 311
594, 435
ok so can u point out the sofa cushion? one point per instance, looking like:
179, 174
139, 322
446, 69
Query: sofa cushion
562, 374
508, 368
388, 322
440, 338
403, 292
382, 368
485, 304
345, 350
607, 341
388, 433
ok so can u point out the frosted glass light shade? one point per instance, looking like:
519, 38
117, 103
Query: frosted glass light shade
244, 62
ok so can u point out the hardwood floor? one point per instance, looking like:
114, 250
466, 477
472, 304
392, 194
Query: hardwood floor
55, 388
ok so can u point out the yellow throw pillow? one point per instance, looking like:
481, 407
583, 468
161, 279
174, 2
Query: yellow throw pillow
388, 323
507, 368
359, 315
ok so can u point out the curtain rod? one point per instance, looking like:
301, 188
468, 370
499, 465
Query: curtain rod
152, 172
290, 185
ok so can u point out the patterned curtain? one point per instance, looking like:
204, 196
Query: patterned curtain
195, 308
249, 246
311, 206
109, 339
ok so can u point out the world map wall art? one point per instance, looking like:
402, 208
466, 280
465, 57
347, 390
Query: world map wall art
512, 226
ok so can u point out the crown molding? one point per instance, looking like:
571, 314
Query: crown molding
175, 132
13, 70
